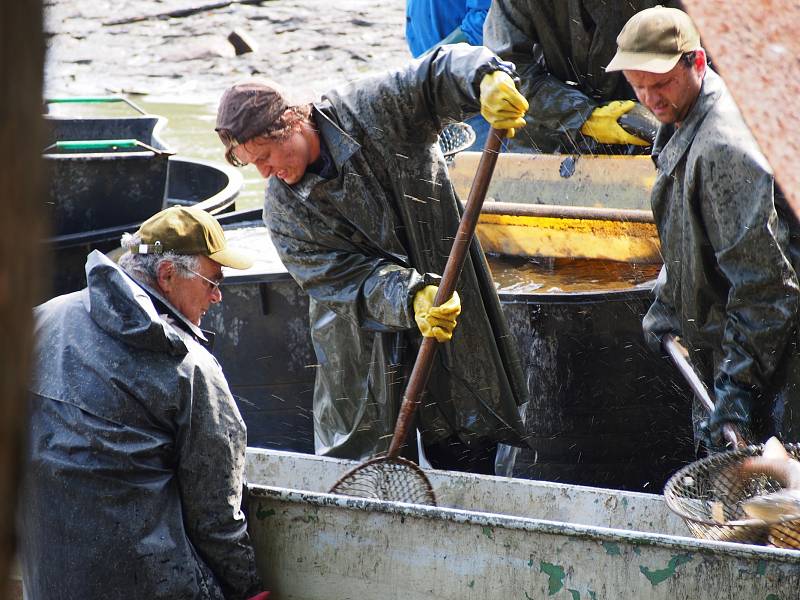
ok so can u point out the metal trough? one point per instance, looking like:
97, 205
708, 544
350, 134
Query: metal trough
600, 181
490, 538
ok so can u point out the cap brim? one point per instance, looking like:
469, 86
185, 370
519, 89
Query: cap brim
642, 61
235, 259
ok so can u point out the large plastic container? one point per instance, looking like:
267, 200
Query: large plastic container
211, 186
604, 409
104, 171
263, 342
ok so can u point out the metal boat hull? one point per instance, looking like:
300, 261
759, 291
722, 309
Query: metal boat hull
490, 538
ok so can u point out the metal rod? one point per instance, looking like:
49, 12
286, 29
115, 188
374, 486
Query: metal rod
452, 271
556, 211
680, 356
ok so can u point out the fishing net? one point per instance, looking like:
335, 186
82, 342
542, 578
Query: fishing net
456, 137
395, 479
708, 495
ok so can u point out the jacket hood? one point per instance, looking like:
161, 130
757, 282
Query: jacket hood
123, 309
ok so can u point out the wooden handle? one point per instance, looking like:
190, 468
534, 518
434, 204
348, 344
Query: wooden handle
452, 271
680, 356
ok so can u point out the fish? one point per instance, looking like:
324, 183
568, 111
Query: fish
775, 462
773, 507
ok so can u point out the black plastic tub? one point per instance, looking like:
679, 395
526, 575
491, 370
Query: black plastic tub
211, 186
104, 171
263, 343
605, 410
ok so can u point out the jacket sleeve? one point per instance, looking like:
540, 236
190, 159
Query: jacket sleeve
749, 243
368, 287
554, 105
212, 443
660, 318
412, 104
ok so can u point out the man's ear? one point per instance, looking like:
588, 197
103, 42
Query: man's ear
700, 61
166, 275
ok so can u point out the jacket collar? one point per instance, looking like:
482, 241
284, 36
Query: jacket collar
340, 145
672, 143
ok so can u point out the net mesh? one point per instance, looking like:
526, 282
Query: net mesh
456, 137
394, 479
708, 495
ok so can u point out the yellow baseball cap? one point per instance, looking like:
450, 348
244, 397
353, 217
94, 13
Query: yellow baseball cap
189, 230
654, 40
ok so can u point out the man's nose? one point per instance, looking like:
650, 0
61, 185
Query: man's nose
216, 295
651, 98
264, 169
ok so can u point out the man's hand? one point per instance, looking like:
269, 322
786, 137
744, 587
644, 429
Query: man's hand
734, 405
436, 321
602, 124
501, 104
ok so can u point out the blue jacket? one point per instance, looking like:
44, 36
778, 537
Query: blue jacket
428, 22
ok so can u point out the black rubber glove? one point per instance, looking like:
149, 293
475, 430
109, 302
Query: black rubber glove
733, 404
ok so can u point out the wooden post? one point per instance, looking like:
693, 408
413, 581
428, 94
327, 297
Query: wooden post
21, 233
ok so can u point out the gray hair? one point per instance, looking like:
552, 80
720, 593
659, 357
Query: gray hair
144, 267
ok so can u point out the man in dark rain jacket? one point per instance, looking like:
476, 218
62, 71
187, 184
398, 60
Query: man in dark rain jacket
361, 210
134, 483
561, 48
729, 286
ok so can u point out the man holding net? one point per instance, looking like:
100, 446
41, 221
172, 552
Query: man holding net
361, 210
729, 285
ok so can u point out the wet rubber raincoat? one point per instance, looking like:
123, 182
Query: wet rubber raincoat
730, 245
135, 475
561, 49
363, 243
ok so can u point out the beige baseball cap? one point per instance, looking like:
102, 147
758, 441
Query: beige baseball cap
189, 230
654, 40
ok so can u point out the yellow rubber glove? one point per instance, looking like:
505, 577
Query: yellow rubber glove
501, 104
436, 321
602, 124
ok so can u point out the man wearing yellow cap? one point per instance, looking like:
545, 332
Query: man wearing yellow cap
134, 483
729, 286
362, 212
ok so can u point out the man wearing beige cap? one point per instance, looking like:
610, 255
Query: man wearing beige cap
362, 212
729, 286
135, 474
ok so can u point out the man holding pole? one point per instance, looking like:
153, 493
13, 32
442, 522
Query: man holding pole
361, 210
729, 285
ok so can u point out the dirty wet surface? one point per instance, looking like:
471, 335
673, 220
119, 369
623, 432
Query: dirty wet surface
307, 44
512, 275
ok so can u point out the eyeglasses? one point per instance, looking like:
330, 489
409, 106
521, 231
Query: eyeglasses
213, 285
